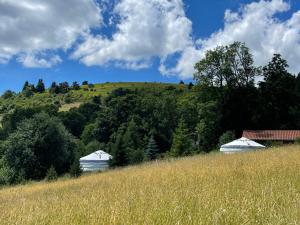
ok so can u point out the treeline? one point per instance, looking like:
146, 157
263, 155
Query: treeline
29, 89
147, 124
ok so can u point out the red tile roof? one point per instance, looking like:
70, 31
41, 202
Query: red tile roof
272, 135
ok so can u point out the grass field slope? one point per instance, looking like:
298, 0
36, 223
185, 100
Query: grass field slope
249, 188
76, 97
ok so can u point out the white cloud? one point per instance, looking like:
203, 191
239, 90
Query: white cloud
31, 27
40, 60
160, 28
257, 25
33, 31
145, 29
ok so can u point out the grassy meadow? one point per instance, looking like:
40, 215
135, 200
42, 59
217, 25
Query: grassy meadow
248, 188
76, 97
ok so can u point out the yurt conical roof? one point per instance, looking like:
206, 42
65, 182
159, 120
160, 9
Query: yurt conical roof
97, 156
242, 144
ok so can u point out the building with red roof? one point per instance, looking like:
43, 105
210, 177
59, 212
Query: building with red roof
272, 135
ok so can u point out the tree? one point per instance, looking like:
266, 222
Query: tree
297, 86
40, 87
73, 121
190, 86
132, 143
213, 68
241, 64
36, 145
152, 150
119, 154
28, 92
12, 119
278, 94
54, 88
93, 146
75, 86
75, 169
89, 110
8, 94
96, 99
230, 65
88, 133
85, 82
104, 126
182, 143
181, 82
25, 86
64, 87
51, 174
226, 137
208, 128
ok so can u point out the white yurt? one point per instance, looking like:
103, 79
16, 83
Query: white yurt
241, 145
95, 161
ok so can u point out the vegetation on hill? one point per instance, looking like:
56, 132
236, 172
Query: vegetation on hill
138, 122
10, 100
247, 188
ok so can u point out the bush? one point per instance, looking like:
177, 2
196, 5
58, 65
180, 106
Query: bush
6, 176
75, 169
297, 141
226, 137
27, 93
51, 174
8, 94
93, 146
67, 99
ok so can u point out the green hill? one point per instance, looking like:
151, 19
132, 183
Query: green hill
75, 97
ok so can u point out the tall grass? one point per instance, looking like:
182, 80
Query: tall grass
248, 188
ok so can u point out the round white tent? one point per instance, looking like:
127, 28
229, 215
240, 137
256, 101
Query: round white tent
241, 145
95, 161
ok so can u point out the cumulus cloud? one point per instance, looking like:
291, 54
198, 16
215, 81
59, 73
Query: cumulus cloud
40, 60
144, 29
258, 26
159, 28
29, 28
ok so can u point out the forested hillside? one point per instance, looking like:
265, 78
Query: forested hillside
137, 122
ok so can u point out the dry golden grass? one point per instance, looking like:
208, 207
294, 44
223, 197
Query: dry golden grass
67, 107
249, 188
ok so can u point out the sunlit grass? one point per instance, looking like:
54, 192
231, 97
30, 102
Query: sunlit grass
79, 96
248, 188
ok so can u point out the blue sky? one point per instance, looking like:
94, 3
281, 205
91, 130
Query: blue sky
92, 52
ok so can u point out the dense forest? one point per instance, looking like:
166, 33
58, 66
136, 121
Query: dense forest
229, 94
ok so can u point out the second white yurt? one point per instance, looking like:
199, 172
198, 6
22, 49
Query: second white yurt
241, 145
95, 161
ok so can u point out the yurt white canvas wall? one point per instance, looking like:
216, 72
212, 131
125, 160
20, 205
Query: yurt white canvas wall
241, 145
95, 161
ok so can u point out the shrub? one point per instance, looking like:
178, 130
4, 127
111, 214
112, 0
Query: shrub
6, 176
67, 99
8, 94
226, 137
75, 169
297, 141
51, 174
